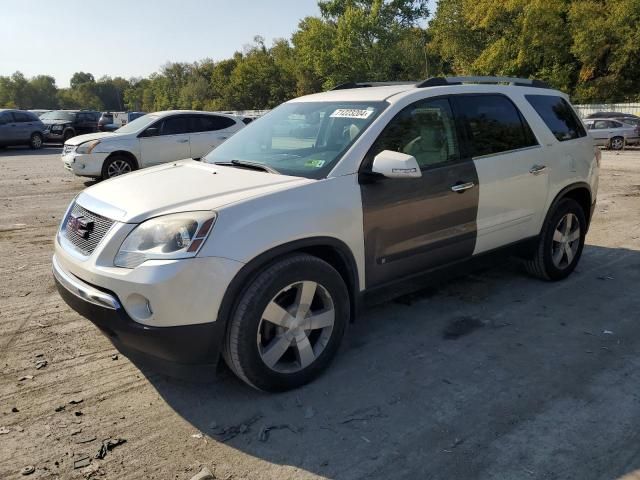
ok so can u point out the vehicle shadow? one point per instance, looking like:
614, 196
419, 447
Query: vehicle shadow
18, 151
486, 376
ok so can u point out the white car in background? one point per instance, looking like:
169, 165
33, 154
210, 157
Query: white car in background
613, 134
150, 140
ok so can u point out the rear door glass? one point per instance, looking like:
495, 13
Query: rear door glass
493, 123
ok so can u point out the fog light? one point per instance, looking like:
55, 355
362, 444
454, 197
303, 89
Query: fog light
139, 307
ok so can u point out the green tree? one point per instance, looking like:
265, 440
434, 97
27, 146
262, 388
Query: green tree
79, 78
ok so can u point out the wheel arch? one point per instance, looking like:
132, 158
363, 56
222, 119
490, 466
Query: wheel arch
333, 251
580, 192
127, 154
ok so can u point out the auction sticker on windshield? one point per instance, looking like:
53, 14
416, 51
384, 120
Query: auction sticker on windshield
351, 113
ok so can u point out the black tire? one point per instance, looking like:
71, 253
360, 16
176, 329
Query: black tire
241, 350
109, 165
36, 141
69, 134
541, 264
616, 143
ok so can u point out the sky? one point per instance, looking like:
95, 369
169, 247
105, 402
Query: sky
134, 38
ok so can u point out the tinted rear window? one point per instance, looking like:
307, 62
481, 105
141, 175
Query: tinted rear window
494, 124
558, 115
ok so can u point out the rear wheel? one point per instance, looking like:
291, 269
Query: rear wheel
616, 143
115, 166
288, 324
36, 141
560, 243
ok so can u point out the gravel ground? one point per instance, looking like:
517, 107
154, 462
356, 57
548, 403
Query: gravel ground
491, 376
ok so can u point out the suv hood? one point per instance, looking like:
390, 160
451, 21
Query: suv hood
89, 136
181, 186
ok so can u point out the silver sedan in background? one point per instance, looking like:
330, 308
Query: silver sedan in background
612, 133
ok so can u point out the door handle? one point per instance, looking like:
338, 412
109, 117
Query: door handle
462, 187
537, 169
184, 140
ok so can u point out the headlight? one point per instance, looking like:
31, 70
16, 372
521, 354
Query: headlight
87, 147
168, 237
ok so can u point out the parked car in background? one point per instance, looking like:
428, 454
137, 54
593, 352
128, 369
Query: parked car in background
612, 133
635, 121
269, 247
20, 127
611, 115
105, 122
39, 111
61, 125
149, 140
120, 119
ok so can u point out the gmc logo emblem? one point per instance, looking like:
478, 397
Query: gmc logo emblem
80, 226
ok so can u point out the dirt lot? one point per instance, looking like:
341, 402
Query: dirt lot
543, 386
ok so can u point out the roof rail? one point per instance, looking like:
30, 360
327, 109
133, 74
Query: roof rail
347, 85
521, 82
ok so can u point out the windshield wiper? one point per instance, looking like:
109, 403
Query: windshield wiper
250, 165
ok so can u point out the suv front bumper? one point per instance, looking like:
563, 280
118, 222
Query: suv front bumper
167, 347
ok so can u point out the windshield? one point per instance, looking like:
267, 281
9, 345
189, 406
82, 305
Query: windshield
138, 124
304, 139
59, 115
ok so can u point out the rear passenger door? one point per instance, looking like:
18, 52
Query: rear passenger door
209, 131
511, 168
8, 128
24, 126
412, 225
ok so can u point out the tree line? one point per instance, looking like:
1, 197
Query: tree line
587, 48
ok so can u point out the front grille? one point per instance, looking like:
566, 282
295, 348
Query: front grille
101, 226
68, 149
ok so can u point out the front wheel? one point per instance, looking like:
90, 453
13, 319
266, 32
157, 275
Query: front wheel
115, 166
68, 135
288, 324
560, 243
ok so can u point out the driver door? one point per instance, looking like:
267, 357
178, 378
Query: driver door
166, 141
415, 224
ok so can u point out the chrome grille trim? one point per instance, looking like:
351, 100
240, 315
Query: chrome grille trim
101, 225
68, 149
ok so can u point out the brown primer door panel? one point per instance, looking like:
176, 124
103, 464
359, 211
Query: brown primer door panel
412, 225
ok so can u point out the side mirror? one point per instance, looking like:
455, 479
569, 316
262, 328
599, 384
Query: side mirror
396, 165
151, 132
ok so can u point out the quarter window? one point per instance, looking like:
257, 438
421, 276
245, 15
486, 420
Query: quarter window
558, 115
494, 124
424, 130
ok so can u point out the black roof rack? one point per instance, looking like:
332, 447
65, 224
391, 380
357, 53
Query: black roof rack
347, 85
521, 82
445, 81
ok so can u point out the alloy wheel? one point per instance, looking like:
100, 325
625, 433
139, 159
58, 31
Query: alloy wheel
295, 327
118, 167
566, 241
617, 144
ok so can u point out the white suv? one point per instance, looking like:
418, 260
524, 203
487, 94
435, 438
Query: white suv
267, 249
149, 140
